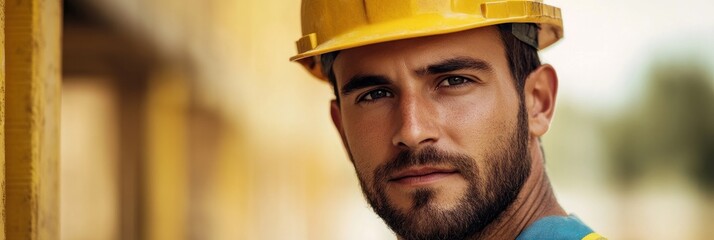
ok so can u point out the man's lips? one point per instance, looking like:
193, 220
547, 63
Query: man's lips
421, 175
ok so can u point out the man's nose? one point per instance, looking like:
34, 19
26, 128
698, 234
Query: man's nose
417, 121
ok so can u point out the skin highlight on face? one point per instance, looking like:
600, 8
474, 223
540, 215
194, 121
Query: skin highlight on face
436, 131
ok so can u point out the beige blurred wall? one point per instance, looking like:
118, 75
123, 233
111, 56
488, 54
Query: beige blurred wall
250, 151
89, 195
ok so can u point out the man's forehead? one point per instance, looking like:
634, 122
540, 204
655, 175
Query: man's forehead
417, 53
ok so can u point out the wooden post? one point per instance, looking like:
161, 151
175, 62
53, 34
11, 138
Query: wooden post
2, 119
32, 48
166, 163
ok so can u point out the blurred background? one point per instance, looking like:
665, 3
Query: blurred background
185, 120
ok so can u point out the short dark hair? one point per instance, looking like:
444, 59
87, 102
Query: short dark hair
522, 59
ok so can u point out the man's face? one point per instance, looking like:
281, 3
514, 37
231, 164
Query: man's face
435, 129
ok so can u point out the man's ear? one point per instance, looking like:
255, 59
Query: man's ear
540, 91
337, 118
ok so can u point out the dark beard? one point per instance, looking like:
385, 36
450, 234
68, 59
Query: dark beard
484, 201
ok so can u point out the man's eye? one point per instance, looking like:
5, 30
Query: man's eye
453, 81
374, 95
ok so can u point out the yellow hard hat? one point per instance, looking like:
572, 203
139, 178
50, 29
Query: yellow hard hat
333, 25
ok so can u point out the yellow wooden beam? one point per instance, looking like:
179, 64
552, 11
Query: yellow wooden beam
2, 118
32, 46
166, 162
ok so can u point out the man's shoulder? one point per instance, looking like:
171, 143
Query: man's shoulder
559, 227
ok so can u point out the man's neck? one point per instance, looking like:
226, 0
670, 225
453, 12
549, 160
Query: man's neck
535, 201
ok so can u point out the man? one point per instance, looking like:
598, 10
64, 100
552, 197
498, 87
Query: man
441, 105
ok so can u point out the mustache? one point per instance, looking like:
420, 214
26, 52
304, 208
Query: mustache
427, 156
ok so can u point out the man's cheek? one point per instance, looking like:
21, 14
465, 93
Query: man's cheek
367, 151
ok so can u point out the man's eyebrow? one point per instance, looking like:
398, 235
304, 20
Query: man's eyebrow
454, 64
363, 81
